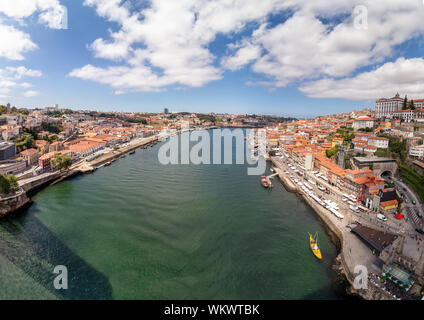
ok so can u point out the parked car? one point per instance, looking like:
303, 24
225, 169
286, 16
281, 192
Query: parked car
419, 231
381, 217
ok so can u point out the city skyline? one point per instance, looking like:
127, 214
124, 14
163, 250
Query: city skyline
243, 57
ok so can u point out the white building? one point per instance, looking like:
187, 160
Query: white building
385, 107
417, 152
410, 115
378, 142
363, 122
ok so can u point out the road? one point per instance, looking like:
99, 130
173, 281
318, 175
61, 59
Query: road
366, 217
408, 196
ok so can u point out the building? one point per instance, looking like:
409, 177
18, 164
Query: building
367, 143
7, 150
363, 122
409, 115
45, 161
56, 146
30, 155
341, 157
12, 166
165, 111
416, 152
385, 107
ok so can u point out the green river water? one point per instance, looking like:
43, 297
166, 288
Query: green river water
141, 230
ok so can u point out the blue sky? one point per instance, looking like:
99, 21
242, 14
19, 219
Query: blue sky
292, 58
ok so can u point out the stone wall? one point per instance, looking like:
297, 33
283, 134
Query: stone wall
13, 204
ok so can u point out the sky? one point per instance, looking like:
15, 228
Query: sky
297, 58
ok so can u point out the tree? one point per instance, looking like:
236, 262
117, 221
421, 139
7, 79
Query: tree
13, 182
405, 103
61, 162
411, 105
4, 185
8, 184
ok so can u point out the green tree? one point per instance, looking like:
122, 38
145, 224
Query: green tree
405, 103
4, 185
8, 184
411, 105
13, 182
61, 162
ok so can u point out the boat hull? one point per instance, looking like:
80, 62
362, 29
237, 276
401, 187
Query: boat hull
314, 247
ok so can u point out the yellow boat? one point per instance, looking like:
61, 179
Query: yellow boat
314, 246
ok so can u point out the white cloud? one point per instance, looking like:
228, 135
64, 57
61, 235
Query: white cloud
52, 12
10, 78
243, 56
30, 93
174, 36
14, 43
168, 43
403, 75
304, 47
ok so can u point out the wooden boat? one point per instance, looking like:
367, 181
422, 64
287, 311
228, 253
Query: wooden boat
313, 243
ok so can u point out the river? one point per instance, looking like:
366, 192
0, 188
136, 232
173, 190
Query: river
142, 230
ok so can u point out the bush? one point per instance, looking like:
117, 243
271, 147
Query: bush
8, 184
413, 179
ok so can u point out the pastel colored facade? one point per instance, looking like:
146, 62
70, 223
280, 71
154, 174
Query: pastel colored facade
30, 155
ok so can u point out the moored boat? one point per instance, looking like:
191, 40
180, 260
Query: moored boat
108, 163
313, 242
264, 182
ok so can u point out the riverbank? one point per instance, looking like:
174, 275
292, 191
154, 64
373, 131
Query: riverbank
29, 187
351, 251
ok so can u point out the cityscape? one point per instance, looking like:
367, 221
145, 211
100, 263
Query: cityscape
212, 151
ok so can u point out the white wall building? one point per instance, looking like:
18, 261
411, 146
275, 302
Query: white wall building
363, 122
417, 152
385, 107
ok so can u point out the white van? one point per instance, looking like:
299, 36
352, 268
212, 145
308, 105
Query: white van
381, 217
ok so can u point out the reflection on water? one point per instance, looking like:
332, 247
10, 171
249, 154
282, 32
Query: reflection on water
32, 248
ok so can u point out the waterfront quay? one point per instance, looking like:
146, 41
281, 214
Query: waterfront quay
353, 251
30, 185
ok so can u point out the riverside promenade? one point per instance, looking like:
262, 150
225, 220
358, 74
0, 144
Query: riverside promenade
352, 251
32, 184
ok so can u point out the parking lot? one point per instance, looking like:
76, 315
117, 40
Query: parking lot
325, 191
